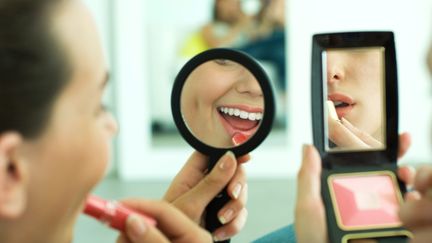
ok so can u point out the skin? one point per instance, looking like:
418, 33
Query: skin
231, 84
192, 190
41, 195
362, 81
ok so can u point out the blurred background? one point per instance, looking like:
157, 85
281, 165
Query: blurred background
147, 42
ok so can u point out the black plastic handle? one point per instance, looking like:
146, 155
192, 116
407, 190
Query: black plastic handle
211, 219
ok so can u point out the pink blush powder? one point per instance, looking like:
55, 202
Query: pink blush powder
365, 201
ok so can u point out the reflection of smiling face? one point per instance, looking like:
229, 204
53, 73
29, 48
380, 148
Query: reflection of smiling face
222, 100
355, 81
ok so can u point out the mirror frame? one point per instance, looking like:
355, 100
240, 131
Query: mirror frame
322, 42
249, 63
325, 95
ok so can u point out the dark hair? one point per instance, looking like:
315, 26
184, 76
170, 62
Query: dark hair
215, 12
33, 68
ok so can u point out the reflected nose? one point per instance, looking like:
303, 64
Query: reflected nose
335, 74
249, 85
335, 68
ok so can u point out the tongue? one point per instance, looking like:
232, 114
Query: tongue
239, 123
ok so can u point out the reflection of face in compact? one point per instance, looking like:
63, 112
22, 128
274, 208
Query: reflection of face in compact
354, 85
222, 103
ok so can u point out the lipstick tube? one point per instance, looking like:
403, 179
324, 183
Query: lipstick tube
112, 213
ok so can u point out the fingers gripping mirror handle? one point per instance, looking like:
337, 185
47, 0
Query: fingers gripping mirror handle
211, 219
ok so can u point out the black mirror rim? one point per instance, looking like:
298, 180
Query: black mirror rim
259, 73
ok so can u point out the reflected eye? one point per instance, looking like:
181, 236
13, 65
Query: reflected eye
223, 62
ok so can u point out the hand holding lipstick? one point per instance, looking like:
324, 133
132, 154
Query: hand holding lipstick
112, 213
173, 225
345, 135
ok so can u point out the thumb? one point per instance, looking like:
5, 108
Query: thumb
310, 213
214, 182
309, 175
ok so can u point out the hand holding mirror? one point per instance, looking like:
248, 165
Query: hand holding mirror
222, 100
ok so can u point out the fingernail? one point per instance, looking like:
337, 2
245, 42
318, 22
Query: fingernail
226, 161
219, 236
226, 217
237, 190
137, 226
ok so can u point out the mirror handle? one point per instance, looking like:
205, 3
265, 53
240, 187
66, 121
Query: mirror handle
211, 219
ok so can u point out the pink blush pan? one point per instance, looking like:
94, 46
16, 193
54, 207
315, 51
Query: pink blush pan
365, 201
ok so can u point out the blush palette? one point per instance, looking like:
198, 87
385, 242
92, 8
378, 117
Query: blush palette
364, 201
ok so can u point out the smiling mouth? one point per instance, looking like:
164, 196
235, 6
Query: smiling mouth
239, 121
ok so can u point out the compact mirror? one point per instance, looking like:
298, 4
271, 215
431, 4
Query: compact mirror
355, 127
354, 104
222, 100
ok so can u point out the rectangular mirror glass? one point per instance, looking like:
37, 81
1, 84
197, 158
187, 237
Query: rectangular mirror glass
354, 93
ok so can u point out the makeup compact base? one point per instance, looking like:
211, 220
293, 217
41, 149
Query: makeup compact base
365, 200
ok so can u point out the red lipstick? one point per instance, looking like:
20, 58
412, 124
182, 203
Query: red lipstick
112, 213
239, 138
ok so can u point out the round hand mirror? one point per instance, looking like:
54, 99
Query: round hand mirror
222, 100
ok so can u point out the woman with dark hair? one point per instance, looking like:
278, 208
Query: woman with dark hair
55, 136
230, 26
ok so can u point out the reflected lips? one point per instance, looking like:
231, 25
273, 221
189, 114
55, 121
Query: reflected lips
343, 103
240, 121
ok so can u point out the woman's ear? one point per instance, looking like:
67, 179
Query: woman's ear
13, 177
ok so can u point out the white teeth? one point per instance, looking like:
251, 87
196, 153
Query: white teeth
253, 116
336, 103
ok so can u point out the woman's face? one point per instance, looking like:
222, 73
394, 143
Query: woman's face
220, 101
228, 10
355, 80
71, 155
